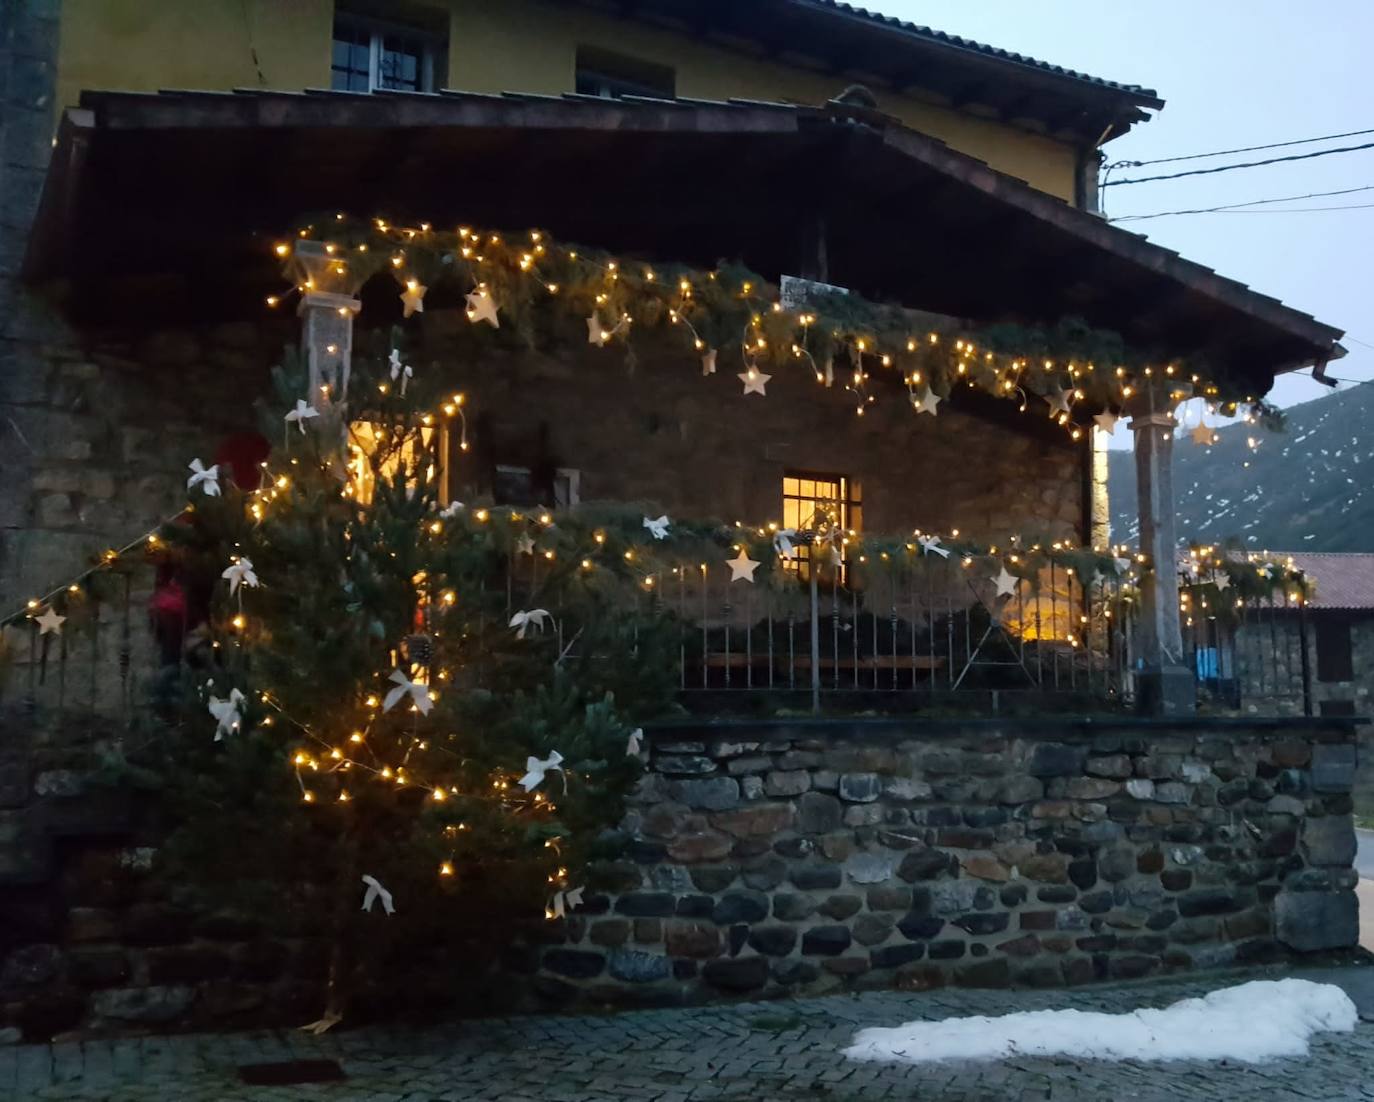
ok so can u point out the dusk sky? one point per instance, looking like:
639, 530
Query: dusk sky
1232, 73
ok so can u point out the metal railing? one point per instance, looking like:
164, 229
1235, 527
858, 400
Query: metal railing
910, 631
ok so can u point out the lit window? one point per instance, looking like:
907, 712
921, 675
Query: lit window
811, 499
375, 453
369, 54
610, 76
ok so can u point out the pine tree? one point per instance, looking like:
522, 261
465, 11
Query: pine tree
375, 710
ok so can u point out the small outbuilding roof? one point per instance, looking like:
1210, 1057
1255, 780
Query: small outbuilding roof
1342, 580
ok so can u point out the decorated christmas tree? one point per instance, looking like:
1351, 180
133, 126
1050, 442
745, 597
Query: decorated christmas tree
410, 721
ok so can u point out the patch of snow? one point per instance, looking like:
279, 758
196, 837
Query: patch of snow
1223, 1025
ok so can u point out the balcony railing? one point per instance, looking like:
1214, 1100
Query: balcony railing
914, 632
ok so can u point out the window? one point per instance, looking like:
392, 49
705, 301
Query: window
519, 486
1334, 660
374, 453
1336, 707
371, 54
610, 76
811, 498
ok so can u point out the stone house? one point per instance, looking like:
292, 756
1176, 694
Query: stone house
135, 255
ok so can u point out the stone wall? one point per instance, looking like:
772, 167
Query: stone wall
787, 858
767, 859
1269, 668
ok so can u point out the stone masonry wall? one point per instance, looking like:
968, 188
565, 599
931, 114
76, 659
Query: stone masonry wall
777, 859
771, 859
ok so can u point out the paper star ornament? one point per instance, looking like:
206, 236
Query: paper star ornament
50, 621
1204, 435
524, 545
755, 381
1223, 580
742, 567
1058, 402
482, 307
1106, 421
596, 333
413, 298
708, 362
1006, 583
926, 401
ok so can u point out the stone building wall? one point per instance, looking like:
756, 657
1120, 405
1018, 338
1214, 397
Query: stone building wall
781, 859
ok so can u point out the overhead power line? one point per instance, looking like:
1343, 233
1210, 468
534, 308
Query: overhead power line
1242, 149
1303, 210
1245, 164
1237, 208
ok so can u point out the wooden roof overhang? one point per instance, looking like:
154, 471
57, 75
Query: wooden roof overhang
168, 203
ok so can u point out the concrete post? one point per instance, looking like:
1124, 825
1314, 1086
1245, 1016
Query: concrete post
1165, 685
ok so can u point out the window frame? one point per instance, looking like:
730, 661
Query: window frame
572, 476
618, 75
430, 43
849, 499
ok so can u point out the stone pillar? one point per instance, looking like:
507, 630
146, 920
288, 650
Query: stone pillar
1099, 500
326, 311
1165, 685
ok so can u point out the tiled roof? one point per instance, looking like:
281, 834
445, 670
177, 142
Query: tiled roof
932, 35
1342, 581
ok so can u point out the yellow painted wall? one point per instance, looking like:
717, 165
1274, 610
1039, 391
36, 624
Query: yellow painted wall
494, 46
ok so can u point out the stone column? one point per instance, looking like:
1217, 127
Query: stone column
326, 311
1165, 684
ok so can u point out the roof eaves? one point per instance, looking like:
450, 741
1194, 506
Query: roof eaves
1145, 97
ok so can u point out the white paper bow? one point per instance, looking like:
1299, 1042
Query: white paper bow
452, 509
303, 412
399, 370
374, 892
537, 767
658, 527
522, 621
207, 478
782, 543
240, 573
405, 686
228, 719
931, 544
633, 745
563, 902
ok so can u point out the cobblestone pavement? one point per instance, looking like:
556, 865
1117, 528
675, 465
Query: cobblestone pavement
736, 1052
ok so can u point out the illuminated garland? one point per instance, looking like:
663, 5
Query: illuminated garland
1081, 374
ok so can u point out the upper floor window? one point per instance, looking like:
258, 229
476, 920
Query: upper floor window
370, 54
610, 76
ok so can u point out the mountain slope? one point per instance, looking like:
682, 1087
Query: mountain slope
1308, 488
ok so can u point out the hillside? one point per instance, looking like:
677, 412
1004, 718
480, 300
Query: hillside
1307, 488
